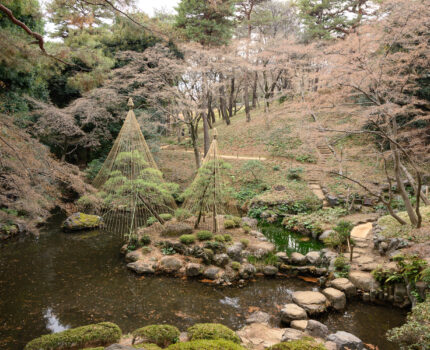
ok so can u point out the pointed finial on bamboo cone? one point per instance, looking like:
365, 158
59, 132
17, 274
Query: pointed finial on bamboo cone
130, 103
214, 134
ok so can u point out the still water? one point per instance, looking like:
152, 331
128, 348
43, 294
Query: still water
59, 280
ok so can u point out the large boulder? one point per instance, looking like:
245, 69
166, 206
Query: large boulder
212, 272
259, 336
298, 259
247, 221
247, 270
258, 317
363, 280
170, 264
346, 341
270, 270
344, 285
336, 298
292, 334
141, 267
313, 302
291, 312
313, 258
316, 329
235, 252
176, 229
299, 324
81, 221
135, 255
193, 269
260, 249
221, 259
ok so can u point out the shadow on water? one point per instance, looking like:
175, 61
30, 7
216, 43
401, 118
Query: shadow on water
59, 280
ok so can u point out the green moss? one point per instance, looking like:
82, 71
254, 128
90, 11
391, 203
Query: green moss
219, 344
147, 346
103, 333
166, 216
392, 228
162, 335
212, 331
219, 238
235, 265
302, 344
151, 220
187, 239
204, 235
228, 238
229, 224
245, 242
144, 240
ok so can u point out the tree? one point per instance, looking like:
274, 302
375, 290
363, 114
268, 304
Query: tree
209, 23
380, 66
333, 18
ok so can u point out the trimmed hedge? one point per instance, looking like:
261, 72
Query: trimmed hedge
103, 333
162, 335
219, 344
212, 331
187, 239
204, 235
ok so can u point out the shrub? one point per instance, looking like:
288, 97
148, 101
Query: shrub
219, 238
245, 242
93, 168
162, 335
166, 216
415, 333
182, 214
103, 333
276, 168
204, 235
229, 224
227, 238
145, 240
219, 344
302, 344
187, 239
151, 220
295, 173
212, 331
146, 346
341, 266
235, 265
342, 234
246, 229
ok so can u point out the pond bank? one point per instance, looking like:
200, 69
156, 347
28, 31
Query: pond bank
60, 280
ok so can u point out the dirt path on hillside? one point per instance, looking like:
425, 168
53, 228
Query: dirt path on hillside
225, 156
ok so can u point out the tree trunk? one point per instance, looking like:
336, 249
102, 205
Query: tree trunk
193, 134
222, 104
254, 91
231, 98
246, 97
206, 138
414, 185
65, 146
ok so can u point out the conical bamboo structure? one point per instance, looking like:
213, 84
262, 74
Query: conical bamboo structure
210, 194
130, 185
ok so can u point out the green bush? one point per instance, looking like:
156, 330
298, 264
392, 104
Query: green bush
219, 238
204, 235
103, 333
228, 238
342, 267
219, 344
93, 168
182, 214
212, 331
246, 229
151, 220
235, 265
187, 239
302, 344
146, 346
415, 333
229, 224
295, 173
166, 216
338, 239
245, 242
145, 240
160, 334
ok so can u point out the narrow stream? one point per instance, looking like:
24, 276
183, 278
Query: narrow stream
59, 280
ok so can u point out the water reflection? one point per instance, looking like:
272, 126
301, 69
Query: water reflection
53, 323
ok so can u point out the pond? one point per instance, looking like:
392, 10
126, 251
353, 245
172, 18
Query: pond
60, 280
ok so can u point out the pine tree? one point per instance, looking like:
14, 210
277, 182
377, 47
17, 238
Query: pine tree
209, 23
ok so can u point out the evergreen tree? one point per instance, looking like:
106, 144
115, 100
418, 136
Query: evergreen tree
209, 23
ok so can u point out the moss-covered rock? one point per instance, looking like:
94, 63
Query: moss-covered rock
219, 344
103, 333
302, 344
162, 335
81, 221
147, 346
212, 331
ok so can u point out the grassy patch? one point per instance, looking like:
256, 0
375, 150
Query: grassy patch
212, 331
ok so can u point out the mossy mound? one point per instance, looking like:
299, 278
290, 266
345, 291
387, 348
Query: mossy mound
202, 344
212, 331
103, 333
162, 335
302, 344
390, 227
147, 346
81, 221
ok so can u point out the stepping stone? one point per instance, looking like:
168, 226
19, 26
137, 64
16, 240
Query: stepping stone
344, 285
336, 297
260, 336
293, 334
299, 324
313, 302
363, 281
291, 312
361, 231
